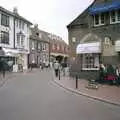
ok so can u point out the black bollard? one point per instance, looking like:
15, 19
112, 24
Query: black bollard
3, 73
76, 82
59, 74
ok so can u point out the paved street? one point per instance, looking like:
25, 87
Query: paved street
32, 96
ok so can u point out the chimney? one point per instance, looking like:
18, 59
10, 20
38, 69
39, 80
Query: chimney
15, 10
36, 26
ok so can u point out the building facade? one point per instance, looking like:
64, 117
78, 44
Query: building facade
14, 40
58, 48
94, 38
39, 47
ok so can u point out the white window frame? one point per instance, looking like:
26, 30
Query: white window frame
116, 17
39, 46
90, 68
21, 41
100, 24
33, 45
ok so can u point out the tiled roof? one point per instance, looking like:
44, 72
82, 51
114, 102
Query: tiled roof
81, 19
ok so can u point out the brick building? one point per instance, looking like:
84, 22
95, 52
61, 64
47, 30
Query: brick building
94, 37
39, 47
58, 48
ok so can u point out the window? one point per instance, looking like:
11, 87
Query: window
115, 16
20, 40
99, 19
43, 46
5, 20
4, 37
39, 46
37, 34
23, 25
90, 61
33, 45
96, 19
20, 24
118, 12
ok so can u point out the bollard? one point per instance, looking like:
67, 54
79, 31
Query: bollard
76, 82
59, 74
3, 74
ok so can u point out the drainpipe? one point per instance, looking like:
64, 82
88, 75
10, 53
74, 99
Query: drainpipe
14, 34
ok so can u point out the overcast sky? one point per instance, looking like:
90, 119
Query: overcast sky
52, 15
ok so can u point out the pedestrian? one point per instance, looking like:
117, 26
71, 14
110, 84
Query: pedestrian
63, 64
102, 73
56, 68
3, 65
117, 75
32, 65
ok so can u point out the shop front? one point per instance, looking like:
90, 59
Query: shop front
88, 55
17, 58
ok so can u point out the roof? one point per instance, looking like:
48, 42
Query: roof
82, 18
14, 15
44, 37
104, 6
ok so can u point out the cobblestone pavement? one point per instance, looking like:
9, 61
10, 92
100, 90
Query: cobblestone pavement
110, 93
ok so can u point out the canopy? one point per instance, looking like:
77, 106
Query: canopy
117, 46
88, 48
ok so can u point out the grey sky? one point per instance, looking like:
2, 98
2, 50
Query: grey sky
51, 15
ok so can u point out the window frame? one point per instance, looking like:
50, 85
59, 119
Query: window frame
5, 20
5, 38
99, 20
116, 17
20, 41
94, 55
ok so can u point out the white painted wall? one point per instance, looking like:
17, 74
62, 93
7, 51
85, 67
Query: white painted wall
26, 33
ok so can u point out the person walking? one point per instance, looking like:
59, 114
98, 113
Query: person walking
3, 65
56, 68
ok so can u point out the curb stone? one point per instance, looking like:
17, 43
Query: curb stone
87, 95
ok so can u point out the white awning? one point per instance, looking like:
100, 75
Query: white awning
117, 46
59, 54
10, 52
88, 48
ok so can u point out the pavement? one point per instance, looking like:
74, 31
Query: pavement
104, 93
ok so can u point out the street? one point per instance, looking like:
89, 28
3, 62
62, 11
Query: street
32, 96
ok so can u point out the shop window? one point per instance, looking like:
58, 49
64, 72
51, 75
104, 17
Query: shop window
99, 19
90, 61
4, 37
